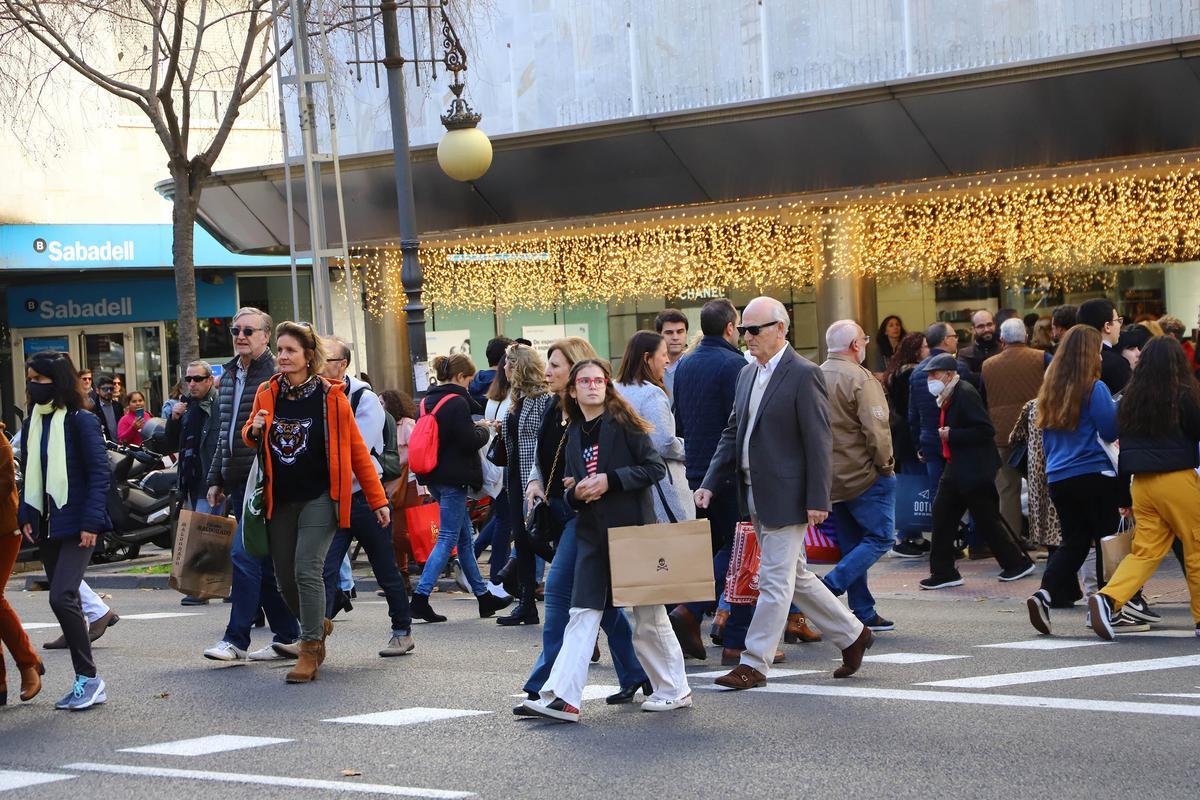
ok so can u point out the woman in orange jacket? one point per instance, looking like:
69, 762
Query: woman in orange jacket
312, 449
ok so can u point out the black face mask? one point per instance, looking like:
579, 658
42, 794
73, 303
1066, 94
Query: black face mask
40, 392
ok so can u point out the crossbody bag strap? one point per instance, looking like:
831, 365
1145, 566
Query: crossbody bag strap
554, 464
665, 504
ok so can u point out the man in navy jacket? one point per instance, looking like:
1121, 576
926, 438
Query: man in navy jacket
705, 382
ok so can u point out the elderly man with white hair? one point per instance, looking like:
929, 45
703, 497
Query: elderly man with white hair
778, 445
1011, 379
864, 472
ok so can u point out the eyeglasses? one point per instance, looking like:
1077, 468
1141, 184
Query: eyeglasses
197, 378
335, 360
951, 335
754, 330
866, 339
593, 382
1118, 320
106, 388
247, 332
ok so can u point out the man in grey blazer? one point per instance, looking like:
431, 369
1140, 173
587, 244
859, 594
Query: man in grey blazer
779, 443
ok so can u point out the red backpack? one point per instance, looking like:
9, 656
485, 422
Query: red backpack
423, 442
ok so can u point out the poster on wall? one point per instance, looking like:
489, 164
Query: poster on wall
543, 336
445, 343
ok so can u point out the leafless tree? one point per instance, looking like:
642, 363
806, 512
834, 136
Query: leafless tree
156, 55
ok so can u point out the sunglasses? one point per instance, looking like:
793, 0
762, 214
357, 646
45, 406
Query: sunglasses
754, 330
247, 332
107, 388
594, 382
196, 378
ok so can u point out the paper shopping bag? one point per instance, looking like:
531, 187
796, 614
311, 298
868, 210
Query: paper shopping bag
201, 566
1113, 549
423, 522
666, 563
741, 581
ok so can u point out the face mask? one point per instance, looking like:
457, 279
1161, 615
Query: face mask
936, 387
40, 393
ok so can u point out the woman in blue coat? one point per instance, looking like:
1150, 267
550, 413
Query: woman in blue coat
62, 507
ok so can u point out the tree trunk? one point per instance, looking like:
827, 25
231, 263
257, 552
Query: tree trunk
183, 221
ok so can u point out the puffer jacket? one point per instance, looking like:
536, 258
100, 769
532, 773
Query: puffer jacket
230, 469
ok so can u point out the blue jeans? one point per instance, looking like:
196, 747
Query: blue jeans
376, 540
254, 586
345, 575
454, 530
560, 581
865, 526
497, 533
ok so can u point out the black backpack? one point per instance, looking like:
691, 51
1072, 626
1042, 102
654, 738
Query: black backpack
389, 459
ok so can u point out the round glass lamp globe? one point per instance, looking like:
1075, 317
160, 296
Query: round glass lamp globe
465, 154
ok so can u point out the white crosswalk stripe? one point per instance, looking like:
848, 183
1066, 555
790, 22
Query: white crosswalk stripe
205, 745
407, 716
908, 658
16, 779
1067, 673
1046, 643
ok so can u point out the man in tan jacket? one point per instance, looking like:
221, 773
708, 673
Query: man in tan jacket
864, 477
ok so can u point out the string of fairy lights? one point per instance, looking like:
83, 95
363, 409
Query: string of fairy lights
1057, 234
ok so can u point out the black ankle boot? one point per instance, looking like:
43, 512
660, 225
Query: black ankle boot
523, 614
420, 608
489, 604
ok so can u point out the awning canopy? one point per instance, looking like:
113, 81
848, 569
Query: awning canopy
1103, 106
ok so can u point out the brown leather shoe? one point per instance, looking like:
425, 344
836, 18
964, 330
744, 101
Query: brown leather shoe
307, 664
326, 629
742, 677
731, 656
852, 656
31, 681
97, 628
687, 631
799, 631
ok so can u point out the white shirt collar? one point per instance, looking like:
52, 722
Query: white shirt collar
770, 366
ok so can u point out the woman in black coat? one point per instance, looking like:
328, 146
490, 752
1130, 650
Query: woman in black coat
610, 467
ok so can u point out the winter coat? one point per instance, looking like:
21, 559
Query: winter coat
231, 468
923, 410
705, 383
459, 439
973, 458
89, 477
209, 431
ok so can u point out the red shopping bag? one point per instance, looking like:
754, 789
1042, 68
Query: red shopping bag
820, 544
422, 529
741, 580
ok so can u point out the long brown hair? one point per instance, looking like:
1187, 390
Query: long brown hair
1162, 382
635, 366
1069, 379
500, 387
528, 372
614, 404
907, 352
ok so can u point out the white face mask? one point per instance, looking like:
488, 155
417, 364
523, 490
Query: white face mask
936, 387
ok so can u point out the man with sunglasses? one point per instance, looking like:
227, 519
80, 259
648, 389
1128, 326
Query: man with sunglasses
778, 445
254, 583
104, 405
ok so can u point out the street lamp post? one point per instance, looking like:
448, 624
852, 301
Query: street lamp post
464, 153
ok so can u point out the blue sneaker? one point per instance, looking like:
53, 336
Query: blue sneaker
86, 692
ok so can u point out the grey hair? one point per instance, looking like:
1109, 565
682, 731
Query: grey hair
778, 310
840, 335
204, 365
1013, 331
264, 317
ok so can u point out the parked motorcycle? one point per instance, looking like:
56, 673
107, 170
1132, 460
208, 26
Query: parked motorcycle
143, 502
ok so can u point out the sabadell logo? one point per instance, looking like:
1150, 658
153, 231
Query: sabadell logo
78, 251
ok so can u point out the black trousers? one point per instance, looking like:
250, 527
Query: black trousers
1087, 512
65, 562
949, 505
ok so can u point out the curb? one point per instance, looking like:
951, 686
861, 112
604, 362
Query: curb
159, 582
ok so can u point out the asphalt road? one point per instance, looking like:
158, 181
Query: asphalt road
1013, 723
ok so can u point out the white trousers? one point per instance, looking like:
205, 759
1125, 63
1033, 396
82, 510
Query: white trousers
654, 643
783, 579
93, 607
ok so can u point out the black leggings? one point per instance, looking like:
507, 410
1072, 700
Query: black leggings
65, 562
1087, 511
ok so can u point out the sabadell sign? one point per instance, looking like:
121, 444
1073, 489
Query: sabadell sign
77, 251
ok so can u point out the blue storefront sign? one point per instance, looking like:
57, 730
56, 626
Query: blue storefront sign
100, 302
57, 247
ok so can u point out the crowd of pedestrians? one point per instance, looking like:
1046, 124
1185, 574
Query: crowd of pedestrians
561, 450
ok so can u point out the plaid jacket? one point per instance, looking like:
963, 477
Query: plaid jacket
521, 430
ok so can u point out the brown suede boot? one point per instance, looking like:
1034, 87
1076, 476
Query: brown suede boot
31, 681
307, 664
799, 631
718, 627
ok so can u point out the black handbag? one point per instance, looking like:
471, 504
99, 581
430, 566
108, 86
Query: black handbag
497, 453
542, 525
1018, 458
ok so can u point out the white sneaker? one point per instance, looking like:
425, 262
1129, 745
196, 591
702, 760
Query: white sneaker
224, 651
497, 590
653, 703
269, 653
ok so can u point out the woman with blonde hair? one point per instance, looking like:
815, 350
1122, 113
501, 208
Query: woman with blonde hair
1077, 414
311, 448
547, 484
610, 465
530, 397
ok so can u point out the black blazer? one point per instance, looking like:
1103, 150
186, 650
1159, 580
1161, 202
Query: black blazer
974, 459
1114, 369
630, 458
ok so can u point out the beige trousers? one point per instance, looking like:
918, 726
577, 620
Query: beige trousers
783, 579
